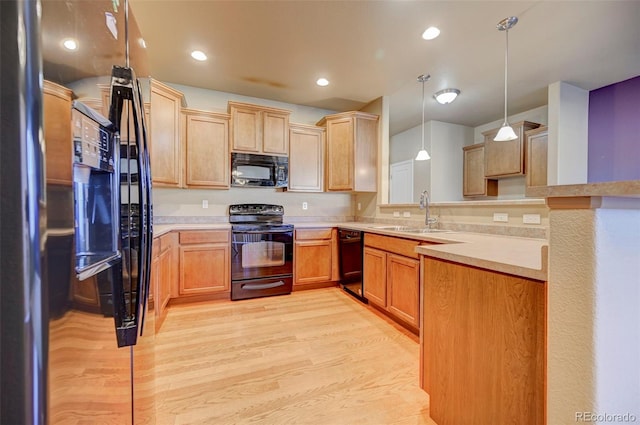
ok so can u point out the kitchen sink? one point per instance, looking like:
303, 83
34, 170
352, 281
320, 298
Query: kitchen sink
427, 231
408, 229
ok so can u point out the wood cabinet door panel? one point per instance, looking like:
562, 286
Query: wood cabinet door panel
340, 154
366, 155
204, 269
275, 133
375, 276
306, 159
502, 159
164, 130
57, 133
207, 158
536, 157
246, 130
313, 261
474, 181
403, 277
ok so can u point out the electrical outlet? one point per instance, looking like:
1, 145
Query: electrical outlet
305, 205
205, 203
501, 217
396, 213
359, 206
406, 214
531, 218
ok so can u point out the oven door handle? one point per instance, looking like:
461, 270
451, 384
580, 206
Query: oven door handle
258, 286
253, 232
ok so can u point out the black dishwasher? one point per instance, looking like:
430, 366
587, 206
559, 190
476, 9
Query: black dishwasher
350, 246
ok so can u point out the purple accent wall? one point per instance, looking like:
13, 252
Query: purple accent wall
614, 132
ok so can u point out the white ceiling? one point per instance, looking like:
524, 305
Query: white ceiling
277, 49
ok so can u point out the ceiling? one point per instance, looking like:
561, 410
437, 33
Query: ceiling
277, 49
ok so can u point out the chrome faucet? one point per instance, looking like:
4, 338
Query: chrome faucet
424, 204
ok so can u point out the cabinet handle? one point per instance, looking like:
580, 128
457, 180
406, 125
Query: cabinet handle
258, 286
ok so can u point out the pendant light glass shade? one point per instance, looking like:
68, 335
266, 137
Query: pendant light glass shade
506, 133
423, 155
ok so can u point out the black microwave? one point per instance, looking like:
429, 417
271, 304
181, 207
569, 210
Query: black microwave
249, 170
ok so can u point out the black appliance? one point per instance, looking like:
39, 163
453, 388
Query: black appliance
350, 246
250, 170
261, 251
64, 241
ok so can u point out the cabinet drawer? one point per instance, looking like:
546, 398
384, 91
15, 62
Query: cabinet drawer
204, 236
309, 234
400, 246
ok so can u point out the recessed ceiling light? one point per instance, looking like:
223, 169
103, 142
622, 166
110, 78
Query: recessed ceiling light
198, 55
70, 44
446, 96
430, 33
322, 82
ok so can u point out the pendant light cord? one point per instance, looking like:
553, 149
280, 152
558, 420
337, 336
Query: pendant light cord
506, 73
423, 114
126, 33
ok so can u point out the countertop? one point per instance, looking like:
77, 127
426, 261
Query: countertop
523, 257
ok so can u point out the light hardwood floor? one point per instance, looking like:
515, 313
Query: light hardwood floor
312, 357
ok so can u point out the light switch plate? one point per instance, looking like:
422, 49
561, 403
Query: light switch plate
501, 217
396, 213
305, 205
205, 203
531, 218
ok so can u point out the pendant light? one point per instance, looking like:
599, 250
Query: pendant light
506, 133
423, 155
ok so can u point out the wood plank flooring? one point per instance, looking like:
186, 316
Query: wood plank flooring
312, 357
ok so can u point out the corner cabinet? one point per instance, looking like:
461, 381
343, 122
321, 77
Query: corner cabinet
164, 135
536, 156
57, 133
474, 183
259, 129
352, 151
163, 274
306, 158
206, 136
506, 159
392, 277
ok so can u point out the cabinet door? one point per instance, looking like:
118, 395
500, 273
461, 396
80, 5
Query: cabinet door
57, 133
340, 154
275, 132
474, 181
207, 145
403, 287
312, 261
164, 129
246, 134
375, 276
504, 159
306, 159
366, 154
204, 269
536, 157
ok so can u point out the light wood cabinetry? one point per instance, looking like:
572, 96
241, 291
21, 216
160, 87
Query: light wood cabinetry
204, 262
164, 135
392, 277
163, 273
474, 182
483, 348
207, 160
352, 151
505, 159
259, 129
57, 133
536, 156
313, 256
306, 158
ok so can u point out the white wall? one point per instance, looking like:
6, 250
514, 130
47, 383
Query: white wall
405, 146
447, 141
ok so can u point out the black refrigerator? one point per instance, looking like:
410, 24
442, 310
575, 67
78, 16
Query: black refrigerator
76, 325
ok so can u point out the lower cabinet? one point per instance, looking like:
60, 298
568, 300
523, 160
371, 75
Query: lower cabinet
163, 274
392, 277
314, 262
204, 263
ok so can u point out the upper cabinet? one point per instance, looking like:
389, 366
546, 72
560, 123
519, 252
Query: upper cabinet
536, 156
259, 129
352, 151
306, 158
505, 159
164, 135
474, 183
206, 136
57, 133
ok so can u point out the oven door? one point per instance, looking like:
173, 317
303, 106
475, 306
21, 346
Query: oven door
259, 254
